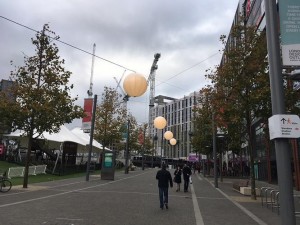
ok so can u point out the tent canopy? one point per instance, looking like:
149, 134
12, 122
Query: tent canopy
76, 136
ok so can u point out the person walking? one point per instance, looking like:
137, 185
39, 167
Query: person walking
187, 172
164, 178
177, 177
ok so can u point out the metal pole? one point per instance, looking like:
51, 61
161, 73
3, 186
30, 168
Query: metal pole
287, 210
87, 178
143, 166
203, 167
161, 150
221, 165
127, 148
214, 150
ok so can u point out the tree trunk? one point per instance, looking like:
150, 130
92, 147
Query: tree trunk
28, 157
250, 144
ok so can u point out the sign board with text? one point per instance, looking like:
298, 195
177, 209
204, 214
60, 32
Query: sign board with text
284, 126
108, 165
289, 12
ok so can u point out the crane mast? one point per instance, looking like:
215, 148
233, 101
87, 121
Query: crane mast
151, 83
151, 79
90, 91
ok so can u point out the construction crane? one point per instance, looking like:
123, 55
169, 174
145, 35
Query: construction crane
90, 91
126, 96
151, 83
151, 79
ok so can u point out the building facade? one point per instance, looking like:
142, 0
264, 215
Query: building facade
179, 115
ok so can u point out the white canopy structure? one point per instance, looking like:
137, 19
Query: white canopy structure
85, 137
64, 135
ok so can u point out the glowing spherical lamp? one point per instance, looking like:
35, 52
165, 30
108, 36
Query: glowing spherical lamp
173, 141
135, 84
168, 135
160, 122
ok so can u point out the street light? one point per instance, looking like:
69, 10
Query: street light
173, 141
214, 150
168, 135
160, 123
134, 85
222, 139
287, 207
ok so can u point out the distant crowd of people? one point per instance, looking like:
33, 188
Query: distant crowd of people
184, 175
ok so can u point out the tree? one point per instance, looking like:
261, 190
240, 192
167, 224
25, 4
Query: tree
110, 118
242, 87
202, 137
42, 100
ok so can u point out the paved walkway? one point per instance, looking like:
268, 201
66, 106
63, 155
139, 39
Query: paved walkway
131, 199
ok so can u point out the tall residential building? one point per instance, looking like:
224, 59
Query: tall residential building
179, 115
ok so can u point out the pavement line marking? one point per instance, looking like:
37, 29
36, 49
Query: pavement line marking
66, 192
31, 187
200, 178
198, 216
70, 219
246, 211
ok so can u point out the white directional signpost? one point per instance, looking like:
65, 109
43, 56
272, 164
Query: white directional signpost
284, 126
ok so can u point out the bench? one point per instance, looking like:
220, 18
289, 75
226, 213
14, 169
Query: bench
247, 191
238, 184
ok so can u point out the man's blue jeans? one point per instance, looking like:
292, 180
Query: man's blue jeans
163, 196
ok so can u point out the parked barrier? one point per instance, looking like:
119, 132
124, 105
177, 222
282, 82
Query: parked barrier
15, 172
32, 170
270, 196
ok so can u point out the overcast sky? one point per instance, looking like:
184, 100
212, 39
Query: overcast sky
126, 32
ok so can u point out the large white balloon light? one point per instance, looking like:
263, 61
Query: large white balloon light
135, 84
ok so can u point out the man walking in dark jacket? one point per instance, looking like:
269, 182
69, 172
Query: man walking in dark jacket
187, 172
164, 178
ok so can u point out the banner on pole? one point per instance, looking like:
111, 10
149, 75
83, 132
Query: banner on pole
88, 111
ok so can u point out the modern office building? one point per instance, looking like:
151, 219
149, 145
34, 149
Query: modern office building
179, 115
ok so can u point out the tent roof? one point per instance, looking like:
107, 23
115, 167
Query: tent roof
63, 135
85, 137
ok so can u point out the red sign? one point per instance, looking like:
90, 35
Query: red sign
88, 111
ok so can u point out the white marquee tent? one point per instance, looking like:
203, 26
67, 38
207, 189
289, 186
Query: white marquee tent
64, 135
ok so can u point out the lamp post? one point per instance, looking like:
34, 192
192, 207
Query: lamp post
87, 177
221, 138
168, 135
160, 123
214, 151
287, 208
143, 150
134, 85
155, 145
173, 142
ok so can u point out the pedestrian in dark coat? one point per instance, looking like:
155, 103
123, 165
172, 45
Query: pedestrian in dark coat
164, 178
187, 172
177, 177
